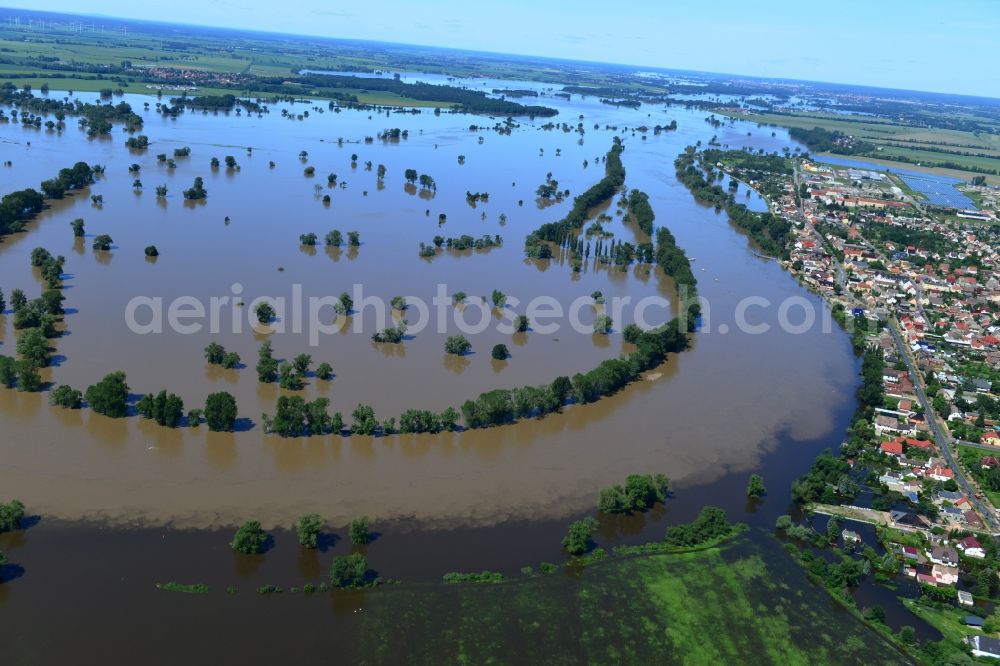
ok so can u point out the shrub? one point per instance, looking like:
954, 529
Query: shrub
11, 515
577, 541
360, 534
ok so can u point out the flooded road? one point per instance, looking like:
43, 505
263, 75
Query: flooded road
716, 409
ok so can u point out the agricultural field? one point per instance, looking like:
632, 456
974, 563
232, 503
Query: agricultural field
903, 146
709, 607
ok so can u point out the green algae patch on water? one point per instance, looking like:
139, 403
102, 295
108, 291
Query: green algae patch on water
192, 588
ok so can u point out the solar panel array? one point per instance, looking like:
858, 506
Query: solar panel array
939, 190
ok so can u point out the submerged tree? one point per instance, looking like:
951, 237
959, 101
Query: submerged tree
755, 487
577, 541
167, 409
102, 242
220, 411
458, 345
265, 312
197, 190
349, 571
308, 529
249, 538
602, 324
267, 365
360, 531
109, 396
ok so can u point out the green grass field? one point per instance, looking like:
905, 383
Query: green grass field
970, 456
946, 620
741, 603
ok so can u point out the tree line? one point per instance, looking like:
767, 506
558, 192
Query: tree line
460, 99
97, 118
501, 406
771, 232
536, 244
21, 206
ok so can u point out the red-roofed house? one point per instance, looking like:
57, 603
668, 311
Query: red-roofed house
941, 473
971, 547
893, 448
922, 444
972, 518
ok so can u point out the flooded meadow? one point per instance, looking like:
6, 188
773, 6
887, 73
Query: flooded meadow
715, 409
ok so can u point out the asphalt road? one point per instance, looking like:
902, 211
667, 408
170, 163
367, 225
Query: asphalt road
943, 441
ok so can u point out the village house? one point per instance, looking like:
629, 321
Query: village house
850, 537
894, 448
940, 473
948, 497
952, 513
972, 519
989, 462
944, 555
944, 575
909, 519
971, 547
984, 646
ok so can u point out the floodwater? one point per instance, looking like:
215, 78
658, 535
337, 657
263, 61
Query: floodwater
411, 623
715, 409
112, 492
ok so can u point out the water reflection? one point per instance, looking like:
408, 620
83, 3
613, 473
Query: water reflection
220, 448
456, 364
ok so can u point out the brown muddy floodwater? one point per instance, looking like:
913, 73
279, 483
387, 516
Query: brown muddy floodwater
716, 409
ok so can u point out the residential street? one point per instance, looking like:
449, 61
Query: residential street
943, 442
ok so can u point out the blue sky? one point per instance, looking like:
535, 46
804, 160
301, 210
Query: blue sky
942, 46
